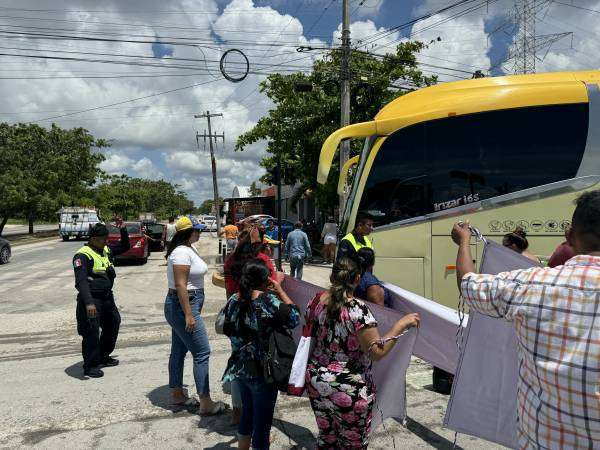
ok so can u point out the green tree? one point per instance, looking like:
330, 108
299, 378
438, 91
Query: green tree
299, 123
255, 191
206, 207
128, 197
43, 169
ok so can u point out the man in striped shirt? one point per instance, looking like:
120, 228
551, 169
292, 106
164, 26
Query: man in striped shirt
556, 315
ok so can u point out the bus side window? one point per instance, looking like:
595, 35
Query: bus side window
484, 155
396, 188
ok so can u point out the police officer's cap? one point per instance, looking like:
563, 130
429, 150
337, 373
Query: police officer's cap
98, 230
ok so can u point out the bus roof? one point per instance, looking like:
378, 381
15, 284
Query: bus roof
464, 97
491, 93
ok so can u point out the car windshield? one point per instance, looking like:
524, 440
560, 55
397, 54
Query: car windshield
132, 228
155, 228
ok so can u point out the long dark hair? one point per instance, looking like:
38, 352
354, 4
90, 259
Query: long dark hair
255, 275
260, 247
517, 238
181, 238
244, 251
343, 282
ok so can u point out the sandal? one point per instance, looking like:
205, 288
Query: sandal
190, 402
218, 408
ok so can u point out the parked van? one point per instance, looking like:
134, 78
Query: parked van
76, 222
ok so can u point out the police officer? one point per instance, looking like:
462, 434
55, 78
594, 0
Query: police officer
357, 239
96, 309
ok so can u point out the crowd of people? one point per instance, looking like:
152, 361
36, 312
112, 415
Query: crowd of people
554, 310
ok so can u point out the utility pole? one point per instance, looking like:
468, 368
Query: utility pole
213, 163
345, 91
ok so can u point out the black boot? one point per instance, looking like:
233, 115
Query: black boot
93, 372
109, 362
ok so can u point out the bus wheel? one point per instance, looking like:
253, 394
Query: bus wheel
65, 237
442, 381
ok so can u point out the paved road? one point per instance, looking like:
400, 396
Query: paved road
48, 405
38, 276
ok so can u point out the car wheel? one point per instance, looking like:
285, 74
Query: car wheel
144, 260
65, 237
4, 255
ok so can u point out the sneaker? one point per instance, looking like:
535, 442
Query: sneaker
109, 362
93, 372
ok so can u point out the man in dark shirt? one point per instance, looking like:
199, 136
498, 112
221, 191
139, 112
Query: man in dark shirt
96, 309
357, 239
370, 288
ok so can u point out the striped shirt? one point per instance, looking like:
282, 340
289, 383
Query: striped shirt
556, 314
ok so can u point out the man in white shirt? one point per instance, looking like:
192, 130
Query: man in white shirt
170, 231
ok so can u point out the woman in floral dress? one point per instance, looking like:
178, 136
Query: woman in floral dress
338, 374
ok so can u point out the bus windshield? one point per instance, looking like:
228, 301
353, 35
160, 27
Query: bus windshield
433, 166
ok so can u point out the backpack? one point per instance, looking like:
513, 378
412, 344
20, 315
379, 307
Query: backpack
278, 349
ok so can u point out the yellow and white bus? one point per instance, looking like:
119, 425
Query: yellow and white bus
501, 152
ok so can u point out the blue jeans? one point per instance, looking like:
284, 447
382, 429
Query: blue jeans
258, 404
182, 341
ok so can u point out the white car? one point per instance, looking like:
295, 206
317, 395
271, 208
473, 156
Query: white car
210, 222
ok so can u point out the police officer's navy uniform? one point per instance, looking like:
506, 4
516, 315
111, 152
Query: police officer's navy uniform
94, 279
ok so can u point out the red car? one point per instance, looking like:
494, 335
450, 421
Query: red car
139, 243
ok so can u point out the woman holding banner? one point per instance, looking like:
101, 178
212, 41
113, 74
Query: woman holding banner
338, 374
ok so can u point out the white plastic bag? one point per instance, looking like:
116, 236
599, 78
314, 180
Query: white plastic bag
298, 372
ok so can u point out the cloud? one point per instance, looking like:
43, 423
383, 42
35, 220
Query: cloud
145, 168
155, 137
361, 32
116, 164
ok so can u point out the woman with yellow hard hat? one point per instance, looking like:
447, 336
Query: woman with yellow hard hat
183, 305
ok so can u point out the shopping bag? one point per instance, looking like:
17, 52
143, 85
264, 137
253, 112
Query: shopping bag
298, 373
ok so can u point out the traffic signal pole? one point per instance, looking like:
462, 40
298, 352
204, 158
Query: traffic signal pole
213, 164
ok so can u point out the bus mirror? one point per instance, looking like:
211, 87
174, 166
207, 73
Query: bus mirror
344, 174
358, 130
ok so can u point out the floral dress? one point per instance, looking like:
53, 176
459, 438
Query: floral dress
338, 376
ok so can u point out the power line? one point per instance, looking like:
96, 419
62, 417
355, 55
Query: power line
381, 34
186, 12
165, 58
577, 7
156, 94
320, 16
145, 25
153, 39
